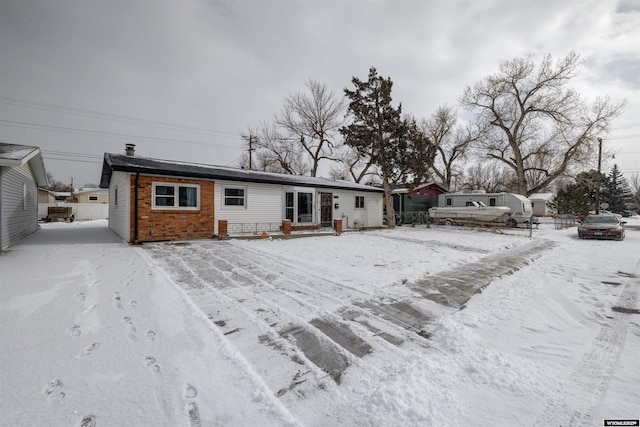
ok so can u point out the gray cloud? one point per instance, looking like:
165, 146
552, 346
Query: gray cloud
226, 65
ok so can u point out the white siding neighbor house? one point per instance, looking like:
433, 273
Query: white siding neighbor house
22, 171
154, 200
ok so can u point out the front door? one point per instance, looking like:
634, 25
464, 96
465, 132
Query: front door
326, 210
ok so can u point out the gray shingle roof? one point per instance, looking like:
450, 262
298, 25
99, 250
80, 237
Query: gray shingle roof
144, 165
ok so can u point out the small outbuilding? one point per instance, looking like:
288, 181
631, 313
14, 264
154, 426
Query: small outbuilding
539, 204
155, 200
22, 171
413, 204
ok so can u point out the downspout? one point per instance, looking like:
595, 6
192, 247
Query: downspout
135, 210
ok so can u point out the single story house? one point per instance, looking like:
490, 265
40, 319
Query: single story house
92, 195
539, 204
155, 200
22, 171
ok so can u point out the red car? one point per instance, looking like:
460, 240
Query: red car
603, 226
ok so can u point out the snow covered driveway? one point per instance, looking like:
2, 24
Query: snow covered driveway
358, 330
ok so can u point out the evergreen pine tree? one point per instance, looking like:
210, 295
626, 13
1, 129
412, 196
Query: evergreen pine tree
616, 191
573, 199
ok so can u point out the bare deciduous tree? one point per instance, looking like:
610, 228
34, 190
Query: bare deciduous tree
452, 142
301, 135
312, 121
272, 153
539, 127
353, 166
489, 176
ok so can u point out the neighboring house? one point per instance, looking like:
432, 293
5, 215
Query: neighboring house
92, 195
539, 204
153, 200
413, 205
64, 196
22, 171
46, 196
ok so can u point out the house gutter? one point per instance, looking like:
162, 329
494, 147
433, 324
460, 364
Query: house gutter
135, 210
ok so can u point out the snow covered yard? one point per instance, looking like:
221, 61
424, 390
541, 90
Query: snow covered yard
374, 328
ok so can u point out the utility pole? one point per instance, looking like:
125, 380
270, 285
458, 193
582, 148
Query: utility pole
599, 180
250, 151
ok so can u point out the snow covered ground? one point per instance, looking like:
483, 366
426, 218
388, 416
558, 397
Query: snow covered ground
411, 326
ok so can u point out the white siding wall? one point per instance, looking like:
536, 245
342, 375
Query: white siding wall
264, 203
18, 204
370, 216
119, 208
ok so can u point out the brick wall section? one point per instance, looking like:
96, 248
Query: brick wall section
159, 224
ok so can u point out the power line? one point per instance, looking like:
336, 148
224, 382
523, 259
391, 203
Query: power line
115, 117
65, 129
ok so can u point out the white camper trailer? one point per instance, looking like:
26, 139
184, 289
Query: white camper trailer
521, 209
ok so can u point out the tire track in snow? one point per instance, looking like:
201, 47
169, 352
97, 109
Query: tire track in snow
366, 311
587, 382
269, 299
282, 361
309, 294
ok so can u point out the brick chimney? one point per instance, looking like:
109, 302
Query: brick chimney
130, 149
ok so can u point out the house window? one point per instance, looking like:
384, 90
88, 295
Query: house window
305, 207
492, 201
24, 197
235, 197
359, 202
448, 201
176, 196
288, 206
115, 198
93, 198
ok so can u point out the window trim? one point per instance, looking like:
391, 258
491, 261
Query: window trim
223, 194
176, 186
362, 198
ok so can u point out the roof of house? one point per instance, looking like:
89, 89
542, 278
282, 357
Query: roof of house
14, 155
149, 166
403, 188
541, 196
92, 191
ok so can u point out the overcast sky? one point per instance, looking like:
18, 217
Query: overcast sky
182, 79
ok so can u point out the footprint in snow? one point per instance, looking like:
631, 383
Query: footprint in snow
74, 331
190, 391
150, 362
81, 297
133, 303
194, 415
131, 329
151, 335
88, 421
117, 301
87, 351
54, 390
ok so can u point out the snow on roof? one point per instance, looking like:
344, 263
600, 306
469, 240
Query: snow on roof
124, 163
14, 155
541, 196
18, 153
